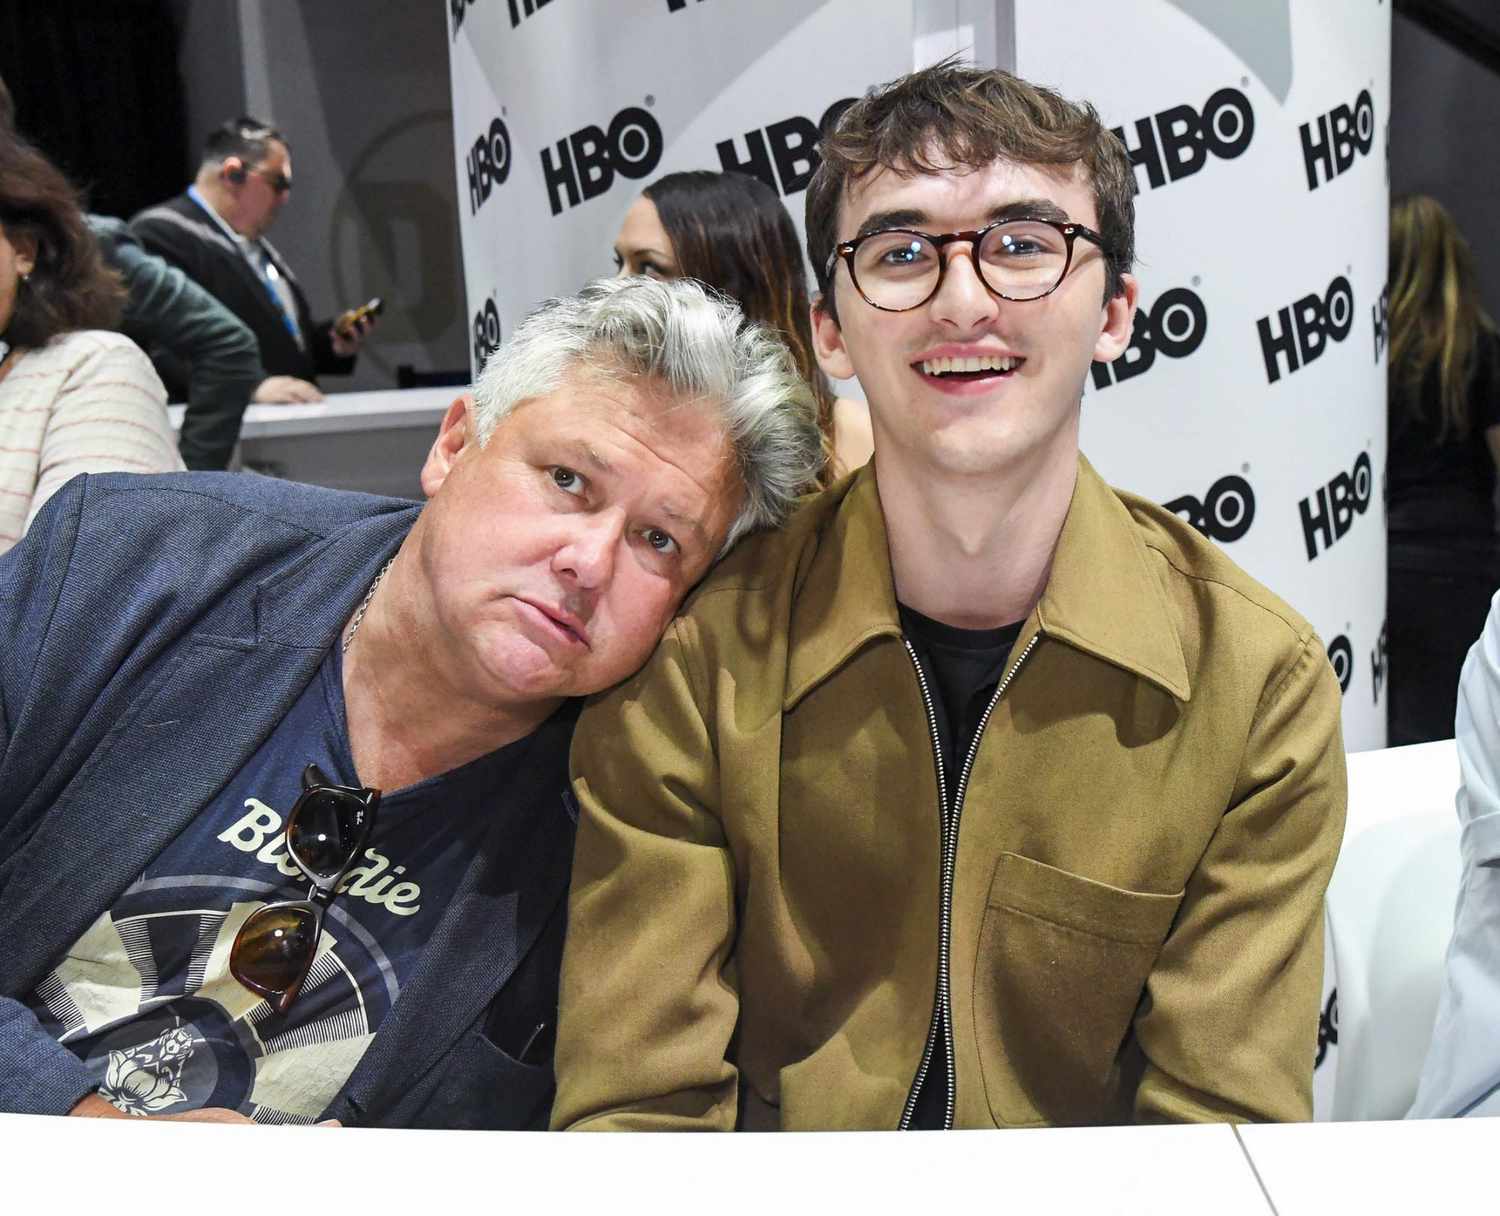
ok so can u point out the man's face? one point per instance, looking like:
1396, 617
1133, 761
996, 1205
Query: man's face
554, 556
265, 190
1015, 420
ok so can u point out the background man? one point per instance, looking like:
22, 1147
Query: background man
187, 655
984, 794
215, 231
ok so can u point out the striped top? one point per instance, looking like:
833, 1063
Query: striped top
87, 402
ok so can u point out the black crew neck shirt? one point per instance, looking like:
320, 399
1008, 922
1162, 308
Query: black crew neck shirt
962, 667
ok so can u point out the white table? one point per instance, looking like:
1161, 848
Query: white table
1440, 1166
351, 441
134, 1167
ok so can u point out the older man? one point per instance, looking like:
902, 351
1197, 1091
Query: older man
207, 903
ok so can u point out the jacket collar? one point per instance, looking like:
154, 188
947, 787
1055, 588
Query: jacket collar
1101, 597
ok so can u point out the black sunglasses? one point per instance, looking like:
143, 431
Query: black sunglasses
280, 183
326, 831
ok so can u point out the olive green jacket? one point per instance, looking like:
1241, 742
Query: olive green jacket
1148, 830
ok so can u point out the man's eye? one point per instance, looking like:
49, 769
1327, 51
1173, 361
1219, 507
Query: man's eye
903, 255
660, 541
566, 480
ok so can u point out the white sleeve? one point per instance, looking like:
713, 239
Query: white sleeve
1462, 1073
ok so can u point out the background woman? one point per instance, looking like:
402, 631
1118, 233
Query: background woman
729, 230
1444, 403
73, 399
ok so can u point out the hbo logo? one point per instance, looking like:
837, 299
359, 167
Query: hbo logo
587, 160
1226, 512
486, 334
1341, 657
792, 144
1329, 143
1305, 327
1176, 142
1174, 327
458, 10
488, 164
1328, 514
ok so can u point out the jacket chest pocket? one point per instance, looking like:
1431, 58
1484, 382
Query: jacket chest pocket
1061, 966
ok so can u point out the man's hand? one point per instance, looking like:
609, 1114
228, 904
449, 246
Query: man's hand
92, 1106
278, 390
349, 331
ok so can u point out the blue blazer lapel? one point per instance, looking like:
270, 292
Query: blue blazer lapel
183, 737
508, 895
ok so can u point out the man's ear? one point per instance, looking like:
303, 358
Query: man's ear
1118, 321
232, 170
455, 436
828, 342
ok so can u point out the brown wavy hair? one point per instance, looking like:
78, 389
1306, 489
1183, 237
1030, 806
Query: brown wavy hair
70, 287
730, 231
1436, 319
953, 116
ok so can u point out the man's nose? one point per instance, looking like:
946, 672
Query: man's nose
962, 298
587, 556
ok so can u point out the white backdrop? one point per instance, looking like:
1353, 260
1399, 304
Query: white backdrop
563, 114
1253, 398
1253, 401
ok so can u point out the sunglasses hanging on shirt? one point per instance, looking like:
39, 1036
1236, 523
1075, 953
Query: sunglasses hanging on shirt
325, 833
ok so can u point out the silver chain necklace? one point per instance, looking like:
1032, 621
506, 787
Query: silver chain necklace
364, 605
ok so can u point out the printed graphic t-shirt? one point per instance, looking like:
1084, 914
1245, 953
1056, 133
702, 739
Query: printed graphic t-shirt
145, 997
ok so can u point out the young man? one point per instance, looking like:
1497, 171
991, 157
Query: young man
209, 679
984, 794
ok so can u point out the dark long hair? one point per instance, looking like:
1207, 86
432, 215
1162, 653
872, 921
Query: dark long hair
70, 287
1436, 318
729, 230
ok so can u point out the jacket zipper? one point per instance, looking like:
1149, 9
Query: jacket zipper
942, 1013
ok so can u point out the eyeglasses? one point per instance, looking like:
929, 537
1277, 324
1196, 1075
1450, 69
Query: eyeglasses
279, 182
326, 831
1020, 259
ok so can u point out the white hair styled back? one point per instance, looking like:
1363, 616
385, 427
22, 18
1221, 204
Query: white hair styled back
695, 343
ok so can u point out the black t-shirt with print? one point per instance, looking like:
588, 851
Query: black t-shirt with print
145, 997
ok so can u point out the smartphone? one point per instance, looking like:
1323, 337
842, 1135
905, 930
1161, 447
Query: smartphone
371, 308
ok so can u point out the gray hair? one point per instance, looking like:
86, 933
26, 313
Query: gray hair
695, 342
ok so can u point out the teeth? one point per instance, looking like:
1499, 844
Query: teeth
973, 363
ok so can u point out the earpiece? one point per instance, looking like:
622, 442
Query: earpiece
236, 174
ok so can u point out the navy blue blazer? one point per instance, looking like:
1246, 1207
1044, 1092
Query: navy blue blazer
153, 631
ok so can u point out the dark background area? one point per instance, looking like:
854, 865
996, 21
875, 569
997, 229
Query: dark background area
90, 78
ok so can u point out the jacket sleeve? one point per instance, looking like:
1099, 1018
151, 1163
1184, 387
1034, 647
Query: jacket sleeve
167, 309
1229, 1023
649, 1002
38, 1075
1461, 1075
